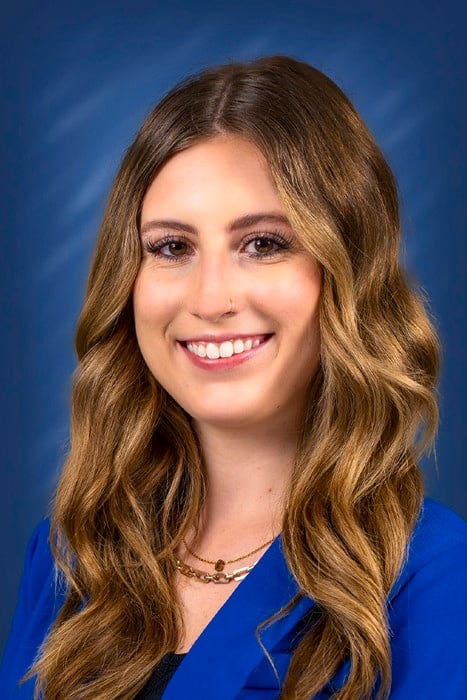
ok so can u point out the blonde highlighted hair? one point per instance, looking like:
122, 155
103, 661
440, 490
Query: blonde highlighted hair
134, 482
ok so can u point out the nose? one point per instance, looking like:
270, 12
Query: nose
212, 288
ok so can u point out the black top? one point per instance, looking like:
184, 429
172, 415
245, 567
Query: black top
160, 677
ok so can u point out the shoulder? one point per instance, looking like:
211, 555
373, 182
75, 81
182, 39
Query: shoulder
38, 568
38, 563
438, 527
427, 609
439, 539
39, 598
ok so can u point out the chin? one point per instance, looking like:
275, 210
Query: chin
229, 418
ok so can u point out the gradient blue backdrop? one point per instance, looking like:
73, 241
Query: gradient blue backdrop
77, 79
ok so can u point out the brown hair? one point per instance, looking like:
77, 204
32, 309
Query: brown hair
133, 482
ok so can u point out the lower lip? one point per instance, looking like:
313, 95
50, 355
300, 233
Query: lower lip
224, 362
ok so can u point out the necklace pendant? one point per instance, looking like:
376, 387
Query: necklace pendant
219, 565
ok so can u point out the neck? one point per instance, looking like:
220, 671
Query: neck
248, 473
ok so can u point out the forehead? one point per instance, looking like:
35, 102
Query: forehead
226, 171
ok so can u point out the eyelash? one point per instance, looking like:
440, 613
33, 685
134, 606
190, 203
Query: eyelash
155, 247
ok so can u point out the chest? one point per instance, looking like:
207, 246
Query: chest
200, 602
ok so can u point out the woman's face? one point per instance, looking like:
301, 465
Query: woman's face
212, 218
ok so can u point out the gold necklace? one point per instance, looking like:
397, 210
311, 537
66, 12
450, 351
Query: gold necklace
220, 563
216, 577
219, 576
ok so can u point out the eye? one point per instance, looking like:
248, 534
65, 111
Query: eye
177, 248
268, 244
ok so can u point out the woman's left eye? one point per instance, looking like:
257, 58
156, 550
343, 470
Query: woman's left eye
265, 245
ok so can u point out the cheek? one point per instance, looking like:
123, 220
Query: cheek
150, 304
296, 295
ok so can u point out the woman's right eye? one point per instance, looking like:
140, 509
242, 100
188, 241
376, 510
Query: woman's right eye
175, 248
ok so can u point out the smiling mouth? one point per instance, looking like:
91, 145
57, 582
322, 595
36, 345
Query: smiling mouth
227, 349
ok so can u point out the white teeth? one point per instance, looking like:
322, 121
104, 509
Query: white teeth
225, 349
212, 351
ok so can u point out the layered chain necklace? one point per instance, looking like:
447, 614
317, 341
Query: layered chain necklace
219, 575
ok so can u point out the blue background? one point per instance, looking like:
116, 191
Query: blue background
78, 78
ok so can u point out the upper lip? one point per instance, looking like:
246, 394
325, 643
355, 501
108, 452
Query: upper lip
211, 338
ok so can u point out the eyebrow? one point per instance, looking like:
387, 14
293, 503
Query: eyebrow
235, 225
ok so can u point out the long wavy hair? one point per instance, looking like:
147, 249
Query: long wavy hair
134, 482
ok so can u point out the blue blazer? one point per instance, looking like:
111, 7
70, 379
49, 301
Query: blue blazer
427, 612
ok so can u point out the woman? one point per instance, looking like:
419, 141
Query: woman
241, 512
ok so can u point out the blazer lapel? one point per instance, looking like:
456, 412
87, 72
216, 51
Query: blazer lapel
224, 655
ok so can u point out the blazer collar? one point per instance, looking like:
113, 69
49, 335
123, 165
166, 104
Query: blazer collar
221, 659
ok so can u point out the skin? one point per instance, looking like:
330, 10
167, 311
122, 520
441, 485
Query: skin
246, 417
